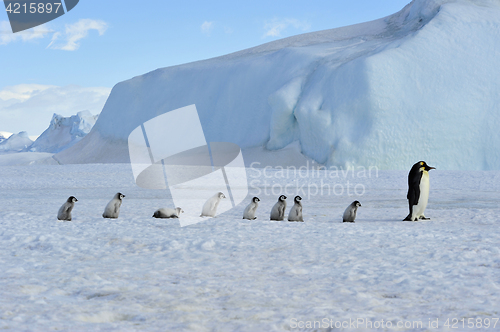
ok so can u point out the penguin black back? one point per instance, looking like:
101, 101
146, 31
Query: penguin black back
414, 183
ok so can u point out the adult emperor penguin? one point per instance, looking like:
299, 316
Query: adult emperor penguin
210, 206
249, 212
112, 210
168, 213
278, 210
65, 210
296, 210
350, 212
418, 191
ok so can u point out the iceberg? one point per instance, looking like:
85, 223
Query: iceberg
422, 84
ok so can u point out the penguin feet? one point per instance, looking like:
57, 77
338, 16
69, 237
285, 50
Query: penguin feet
424, 218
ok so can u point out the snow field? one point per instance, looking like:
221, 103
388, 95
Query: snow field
226, 273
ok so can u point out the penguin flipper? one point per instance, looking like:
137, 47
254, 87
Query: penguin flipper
413, 195
281, 213
414, 188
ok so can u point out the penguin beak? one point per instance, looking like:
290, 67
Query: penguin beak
430, 167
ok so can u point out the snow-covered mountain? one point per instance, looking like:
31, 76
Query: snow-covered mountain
15, 142
64, 132
4, 135
420, 84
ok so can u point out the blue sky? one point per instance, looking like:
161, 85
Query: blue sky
71, 63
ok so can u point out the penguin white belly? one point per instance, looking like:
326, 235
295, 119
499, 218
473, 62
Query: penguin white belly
418, 210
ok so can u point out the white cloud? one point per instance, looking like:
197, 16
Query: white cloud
22, 92
69, 39
6, 35
276, 26
29, 107
207, 27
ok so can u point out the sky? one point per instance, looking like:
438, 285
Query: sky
71, 63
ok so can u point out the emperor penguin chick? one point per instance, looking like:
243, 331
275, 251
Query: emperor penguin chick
65, 210
168, 213
418, 191
350, 212
249, 212
112, 210
210, 206
278, 210
296, 210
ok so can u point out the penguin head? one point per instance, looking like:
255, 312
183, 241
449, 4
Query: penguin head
72, 199
282, 198
356, 204
424, 167
156, 214
221, 195
255, 199
120, 196
179, 210
297, 199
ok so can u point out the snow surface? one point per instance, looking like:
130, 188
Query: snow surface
422, 84
229, 274
27, 158
64, 132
